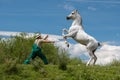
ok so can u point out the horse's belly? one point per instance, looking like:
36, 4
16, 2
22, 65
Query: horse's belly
82, 41
83, 38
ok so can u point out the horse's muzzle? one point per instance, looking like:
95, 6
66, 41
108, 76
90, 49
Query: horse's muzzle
67, 18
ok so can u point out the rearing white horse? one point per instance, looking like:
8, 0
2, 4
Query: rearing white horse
77, 32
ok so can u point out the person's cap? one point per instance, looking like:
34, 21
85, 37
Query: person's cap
38, 35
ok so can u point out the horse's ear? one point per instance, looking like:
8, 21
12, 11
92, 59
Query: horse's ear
76, 11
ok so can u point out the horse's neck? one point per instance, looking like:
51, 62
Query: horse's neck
78, 22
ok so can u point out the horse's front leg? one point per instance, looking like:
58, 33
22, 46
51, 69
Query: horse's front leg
67, 43
71, 34
65, 37
65, 31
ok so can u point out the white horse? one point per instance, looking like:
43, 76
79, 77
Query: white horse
77, 32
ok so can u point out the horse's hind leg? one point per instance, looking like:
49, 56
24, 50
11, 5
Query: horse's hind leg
92, 57
95, 58
88, 63
91, 47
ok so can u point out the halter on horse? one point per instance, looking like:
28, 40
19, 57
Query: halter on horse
77, 32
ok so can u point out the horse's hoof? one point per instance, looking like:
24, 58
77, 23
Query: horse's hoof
64, 37
68, 45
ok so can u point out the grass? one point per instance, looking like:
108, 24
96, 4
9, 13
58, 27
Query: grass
14, 52
52, 72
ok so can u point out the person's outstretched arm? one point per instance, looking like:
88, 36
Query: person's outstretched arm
45, 37
47, 41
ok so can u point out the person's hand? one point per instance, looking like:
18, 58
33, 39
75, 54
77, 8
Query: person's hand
46, 37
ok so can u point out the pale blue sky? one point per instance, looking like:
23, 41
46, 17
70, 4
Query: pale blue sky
101, 18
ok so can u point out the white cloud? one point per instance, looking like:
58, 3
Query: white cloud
108, 53
69, 7
103, 3
76, 49
9, 33
97, 1
92, 8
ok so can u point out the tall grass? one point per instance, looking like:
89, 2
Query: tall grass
15, 47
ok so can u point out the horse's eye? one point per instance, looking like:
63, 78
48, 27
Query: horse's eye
72, 13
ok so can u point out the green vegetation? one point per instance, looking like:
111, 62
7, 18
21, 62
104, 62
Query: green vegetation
14, 51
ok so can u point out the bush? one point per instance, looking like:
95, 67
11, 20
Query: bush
11, 67
50, 52
15, 47
63, 59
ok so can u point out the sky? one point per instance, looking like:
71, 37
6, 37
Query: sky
101, 19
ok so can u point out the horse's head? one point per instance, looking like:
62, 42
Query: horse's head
73, 15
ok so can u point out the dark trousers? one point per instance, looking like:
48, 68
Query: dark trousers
36, 51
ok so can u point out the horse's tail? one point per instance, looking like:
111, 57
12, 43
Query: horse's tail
101, 43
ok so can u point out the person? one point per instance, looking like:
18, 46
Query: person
36, 49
